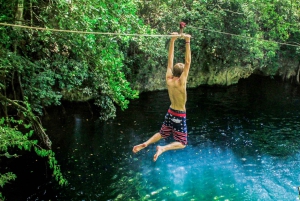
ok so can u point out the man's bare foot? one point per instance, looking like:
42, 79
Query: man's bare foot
159, 150
139, 147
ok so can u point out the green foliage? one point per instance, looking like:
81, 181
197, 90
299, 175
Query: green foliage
43, 67
51, 65
47, 66
54, 65
249, 25
12, 137
4, 178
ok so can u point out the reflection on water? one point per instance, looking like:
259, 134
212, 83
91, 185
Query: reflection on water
243, 145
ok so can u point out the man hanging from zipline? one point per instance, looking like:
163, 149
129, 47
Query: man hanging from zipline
175, 119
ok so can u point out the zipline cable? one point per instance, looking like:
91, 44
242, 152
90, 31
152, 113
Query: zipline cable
81, 32
146, 35
248, 37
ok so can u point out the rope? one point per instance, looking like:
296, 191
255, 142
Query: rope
248, 37
146, 35
81, 32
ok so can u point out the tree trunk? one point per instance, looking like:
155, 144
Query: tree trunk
18, 20
298, 73
31, 14
21, 88
5, 104
12, 85
19, 12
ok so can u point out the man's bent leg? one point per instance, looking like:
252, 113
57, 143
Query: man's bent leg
171, 146
156, 137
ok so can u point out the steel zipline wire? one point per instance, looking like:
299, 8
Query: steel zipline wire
145, 35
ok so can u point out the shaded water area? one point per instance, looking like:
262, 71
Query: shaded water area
243, 145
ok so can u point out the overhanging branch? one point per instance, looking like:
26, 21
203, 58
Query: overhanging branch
34, 120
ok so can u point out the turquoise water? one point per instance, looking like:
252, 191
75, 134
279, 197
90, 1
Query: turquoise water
243, 146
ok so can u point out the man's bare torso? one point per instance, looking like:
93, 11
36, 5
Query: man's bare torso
177, 93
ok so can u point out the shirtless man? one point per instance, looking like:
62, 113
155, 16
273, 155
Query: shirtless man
175, 119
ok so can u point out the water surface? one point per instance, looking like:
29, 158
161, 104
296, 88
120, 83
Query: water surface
243, 145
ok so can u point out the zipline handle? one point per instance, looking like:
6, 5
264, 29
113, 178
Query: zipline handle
181, 26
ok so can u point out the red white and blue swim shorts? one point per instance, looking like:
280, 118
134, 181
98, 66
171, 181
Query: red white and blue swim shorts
175, 124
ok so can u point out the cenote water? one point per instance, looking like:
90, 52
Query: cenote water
243, 145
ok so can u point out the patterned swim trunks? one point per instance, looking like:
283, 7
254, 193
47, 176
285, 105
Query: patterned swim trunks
175, 123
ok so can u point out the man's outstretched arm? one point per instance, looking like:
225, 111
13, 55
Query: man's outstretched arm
188, 56
171, 55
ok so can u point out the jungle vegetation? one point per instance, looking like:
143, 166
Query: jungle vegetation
40, 68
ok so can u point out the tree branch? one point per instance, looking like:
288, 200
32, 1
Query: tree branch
34, 120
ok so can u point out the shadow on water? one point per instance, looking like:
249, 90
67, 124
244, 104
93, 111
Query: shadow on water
242, 146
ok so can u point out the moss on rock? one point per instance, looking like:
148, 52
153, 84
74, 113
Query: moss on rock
225, 77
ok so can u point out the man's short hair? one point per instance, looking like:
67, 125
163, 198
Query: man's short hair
178, 69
